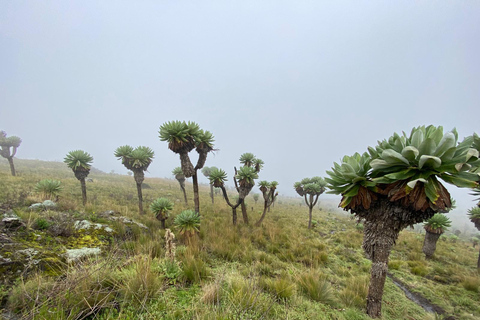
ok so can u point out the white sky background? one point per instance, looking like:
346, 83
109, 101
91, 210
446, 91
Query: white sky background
297, 83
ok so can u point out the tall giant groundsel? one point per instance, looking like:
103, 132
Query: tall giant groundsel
399, 183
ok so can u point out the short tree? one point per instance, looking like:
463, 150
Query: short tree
161, 207
8, 148
80, 162
256, 196
137, 160
183, 137
310, 189
178, 173
396, 185
269, 195
434, 227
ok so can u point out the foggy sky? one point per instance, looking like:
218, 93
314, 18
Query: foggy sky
298, 83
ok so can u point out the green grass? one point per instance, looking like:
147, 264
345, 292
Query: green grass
280, 270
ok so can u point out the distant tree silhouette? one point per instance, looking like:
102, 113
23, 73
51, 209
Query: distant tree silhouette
8, 148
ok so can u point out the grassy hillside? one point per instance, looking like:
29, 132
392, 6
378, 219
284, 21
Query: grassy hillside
280, 270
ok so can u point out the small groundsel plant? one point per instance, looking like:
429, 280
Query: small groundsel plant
161, 207
49, 189
188, 225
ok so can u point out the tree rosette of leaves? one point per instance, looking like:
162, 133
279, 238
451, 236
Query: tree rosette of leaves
183, 137
407, 169
310, 186
160, 207
217, 177
437, 224
246, 180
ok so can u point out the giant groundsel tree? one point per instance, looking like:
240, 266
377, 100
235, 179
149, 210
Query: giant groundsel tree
178, 173
245, 180
397, 184
80, 162
206, 172
8, 148
310, 189
183, 137
434, 228
251, 166
268, 191
137, 160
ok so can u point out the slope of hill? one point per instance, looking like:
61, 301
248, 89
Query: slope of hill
280, 270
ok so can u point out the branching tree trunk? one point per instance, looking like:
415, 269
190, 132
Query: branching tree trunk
233, 206
311, 202
139, 177
196, 198
12, 167
268, 198
81, 174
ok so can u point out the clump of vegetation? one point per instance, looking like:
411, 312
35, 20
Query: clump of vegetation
49, 189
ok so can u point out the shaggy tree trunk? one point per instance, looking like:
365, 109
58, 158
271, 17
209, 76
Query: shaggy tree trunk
383, 222
181, 180
196, 198
84, 191
81, 174
234, 207
186, 164
234, 216
12, 167
244, 213
478, 261
161, 217
184, 193
311, 203
140, 198
139, 176
430, 243
378, 241
211, 192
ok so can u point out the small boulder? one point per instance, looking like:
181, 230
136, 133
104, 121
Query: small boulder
75, 254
